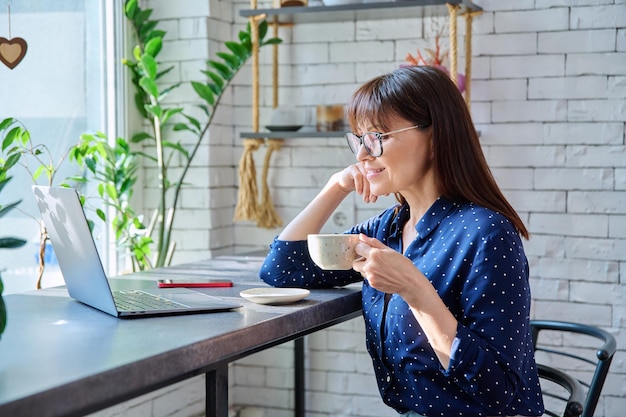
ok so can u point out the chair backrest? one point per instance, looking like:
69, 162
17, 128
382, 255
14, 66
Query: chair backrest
562, 391
590, 371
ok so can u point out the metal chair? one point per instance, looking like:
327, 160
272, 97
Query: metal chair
590, 371
569, 398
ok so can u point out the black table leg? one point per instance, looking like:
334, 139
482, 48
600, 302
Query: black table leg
299, 377
217, 391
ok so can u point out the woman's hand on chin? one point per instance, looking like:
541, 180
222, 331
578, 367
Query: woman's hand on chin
353, 178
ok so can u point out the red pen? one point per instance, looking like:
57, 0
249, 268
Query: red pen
194, 283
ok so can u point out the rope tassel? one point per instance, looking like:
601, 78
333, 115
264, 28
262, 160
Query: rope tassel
247, 207
267, 215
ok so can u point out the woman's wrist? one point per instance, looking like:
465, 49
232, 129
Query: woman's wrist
335, 182
342, 189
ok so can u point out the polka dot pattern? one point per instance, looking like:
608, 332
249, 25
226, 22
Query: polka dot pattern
475, 260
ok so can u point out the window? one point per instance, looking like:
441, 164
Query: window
59, 90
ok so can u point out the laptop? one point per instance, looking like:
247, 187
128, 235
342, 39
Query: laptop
84, 274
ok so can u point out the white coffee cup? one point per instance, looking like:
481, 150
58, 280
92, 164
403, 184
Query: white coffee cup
333, 251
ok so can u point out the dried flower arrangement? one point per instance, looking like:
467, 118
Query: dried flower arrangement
435, 57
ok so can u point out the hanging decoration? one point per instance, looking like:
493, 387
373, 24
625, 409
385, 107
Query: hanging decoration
12, 50
436, 57
267, 216
439, 58
248, 206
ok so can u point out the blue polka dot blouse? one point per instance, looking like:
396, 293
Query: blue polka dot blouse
475, 260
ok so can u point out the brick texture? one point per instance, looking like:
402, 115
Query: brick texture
549, 98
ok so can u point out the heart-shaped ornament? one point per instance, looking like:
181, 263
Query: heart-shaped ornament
12, 51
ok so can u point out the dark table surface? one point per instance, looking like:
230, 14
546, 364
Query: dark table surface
59, 357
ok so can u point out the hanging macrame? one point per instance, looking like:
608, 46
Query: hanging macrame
247, 206
268, 217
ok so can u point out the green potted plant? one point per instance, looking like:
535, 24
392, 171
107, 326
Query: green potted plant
40, 164
6, 242
162, 145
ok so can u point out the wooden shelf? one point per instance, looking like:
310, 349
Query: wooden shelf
360, 11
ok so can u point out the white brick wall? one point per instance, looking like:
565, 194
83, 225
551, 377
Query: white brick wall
549, 98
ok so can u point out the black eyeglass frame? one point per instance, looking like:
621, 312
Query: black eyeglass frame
379, 136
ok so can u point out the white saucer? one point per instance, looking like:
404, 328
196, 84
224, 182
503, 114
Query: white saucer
274, 295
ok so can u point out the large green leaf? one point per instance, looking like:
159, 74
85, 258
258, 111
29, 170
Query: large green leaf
144, 32
176, 146
219, 81
149, 86
262, 29
167, 90
4, 180
91, 164
169, 113
222, 69
154, 34
204, 92
155, 110
140, 137
3, 312
153, 47
149, 66
142, 17
40, 170
140, 102
101, 214
272, 41
12, 160
180, 126
232, 60
130, 9
15, 134
11, 242
137, 52
111, 191
147, 156
6, 123
204, 108
194, 122
237, 48
162, 73
5, 209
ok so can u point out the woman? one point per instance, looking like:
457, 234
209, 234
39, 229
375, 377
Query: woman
446, 298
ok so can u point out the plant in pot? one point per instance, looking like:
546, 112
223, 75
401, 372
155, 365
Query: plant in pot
6, 242
40, 164
171, 142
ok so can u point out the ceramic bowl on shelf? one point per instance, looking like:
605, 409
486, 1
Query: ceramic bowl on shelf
283, 128
286, 118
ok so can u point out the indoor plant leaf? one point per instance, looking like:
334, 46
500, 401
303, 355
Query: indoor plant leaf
222, 69
153, 47
11, 242
204, 92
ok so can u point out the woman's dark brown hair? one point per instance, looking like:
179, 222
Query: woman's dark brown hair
426, 95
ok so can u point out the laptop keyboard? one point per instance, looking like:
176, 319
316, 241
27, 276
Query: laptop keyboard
139, 300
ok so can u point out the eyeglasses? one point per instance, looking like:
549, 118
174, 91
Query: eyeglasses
373, 141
